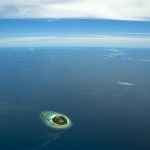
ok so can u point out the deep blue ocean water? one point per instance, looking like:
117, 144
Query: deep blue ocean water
83, 84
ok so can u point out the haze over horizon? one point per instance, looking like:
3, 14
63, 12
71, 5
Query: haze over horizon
112, 23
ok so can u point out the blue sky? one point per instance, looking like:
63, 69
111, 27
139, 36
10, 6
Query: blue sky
75, 23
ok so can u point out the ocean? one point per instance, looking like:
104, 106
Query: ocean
104, 91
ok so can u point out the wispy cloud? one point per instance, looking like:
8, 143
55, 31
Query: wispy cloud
110, 9
82, 40
45, 141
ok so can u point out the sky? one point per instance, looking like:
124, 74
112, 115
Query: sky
119, 23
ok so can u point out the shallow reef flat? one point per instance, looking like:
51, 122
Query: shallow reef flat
125, 83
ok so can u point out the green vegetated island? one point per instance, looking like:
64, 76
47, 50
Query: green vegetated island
55, 120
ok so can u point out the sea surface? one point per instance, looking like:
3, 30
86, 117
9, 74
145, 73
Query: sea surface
104, 91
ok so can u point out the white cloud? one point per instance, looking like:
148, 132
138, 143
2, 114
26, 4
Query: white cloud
110, 9
101, 40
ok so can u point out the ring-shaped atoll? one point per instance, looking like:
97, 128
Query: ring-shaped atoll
55, 120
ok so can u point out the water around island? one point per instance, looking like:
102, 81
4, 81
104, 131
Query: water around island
83, 84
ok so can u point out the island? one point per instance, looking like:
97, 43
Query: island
125, 83
55, 120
